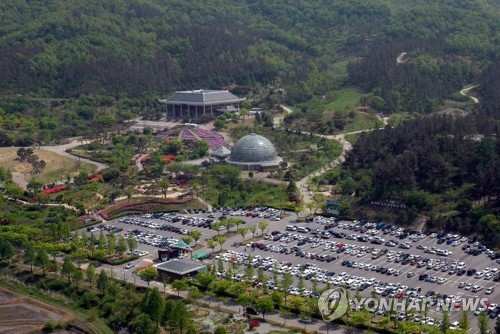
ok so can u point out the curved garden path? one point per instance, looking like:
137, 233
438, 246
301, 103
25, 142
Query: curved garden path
62, 150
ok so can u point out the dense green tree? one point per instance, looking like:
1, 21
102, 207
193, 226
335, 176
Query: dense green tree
263, 225
68, 268
131, 243
464, 321
42, 259
90, 273
196, 235
483, 323
30, 256
164, 184
102, 281
122, 245
264, 305
180, 285
153, 305
77, 276
149, 274
286, 283
143, 324
445, 322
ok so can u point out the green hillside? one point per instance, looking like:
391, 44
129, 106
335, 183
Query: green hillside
67, 48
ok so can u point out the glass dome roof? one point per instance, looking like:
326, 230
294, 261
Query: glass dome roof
253, 148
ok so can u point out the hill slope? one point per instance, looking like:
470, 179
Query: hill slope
114, 47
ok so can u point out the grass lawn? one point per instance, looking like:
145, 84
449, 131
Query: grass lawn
344, 100
363, 121
58, 167
351, 138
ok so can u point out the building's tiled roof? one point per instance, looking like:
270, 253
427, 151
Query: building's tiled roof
180, 267
202, 97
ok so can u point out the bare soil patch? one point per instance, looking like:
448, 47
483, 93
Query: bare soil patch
58, 167
20, 314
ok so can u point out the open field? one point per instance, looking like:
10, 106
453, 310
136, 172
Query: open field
58, 167
20, 314
344, 100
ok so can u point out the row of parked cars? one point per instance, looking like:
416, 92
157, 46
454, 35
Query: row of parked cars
153, 225
151, 239
474, 247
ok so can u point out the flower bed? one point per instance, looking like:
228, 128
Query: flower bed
54, 190
254, 323
212, 138
140, 207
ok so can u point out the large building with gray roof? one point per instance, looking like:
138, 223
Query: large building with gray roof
200, 103
177, 268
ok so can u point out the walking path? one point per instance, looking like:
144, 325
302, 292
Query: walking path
20, 180
306, 194
61, 150
275, 318
279, 119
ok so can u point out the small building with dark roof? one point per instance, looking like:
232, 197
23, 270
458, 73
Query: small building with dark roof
201, 103
177, 269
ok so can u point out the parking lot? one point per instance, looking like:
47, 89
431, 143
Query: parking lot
367, 257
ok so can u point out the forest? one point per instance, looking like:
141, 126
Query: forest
132, 48
70, 67
444, 166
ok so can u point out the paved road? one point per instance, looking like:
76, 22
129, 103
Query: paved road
61, 150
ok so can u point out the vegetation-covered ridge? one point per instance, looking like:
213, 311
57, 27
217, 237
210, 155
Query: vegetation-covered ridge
446, 167
134, 47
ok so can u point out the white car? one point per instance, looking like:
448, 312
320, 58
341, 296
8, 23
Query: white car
441, 280
479, 310
129, 265
476, 288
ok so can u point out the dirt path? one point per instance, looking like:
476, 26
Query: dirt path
277, 120
465, 92
20, 180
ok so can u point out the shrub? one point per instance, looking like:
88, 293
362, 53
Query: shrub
49, 326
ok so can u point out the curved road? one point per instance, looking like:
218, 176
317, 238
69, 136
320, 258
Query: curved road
465, 92
61, 150
306, 194
19, 178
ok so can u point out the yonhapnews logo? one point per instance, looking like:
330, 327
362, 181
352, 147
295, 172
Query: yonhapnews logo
333, 304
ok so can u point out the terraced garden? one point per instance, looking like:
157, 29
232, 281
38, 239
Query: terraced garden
20, 314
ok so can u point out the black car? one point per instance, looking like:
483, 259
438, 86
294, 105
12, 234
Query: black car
471, 272
422, 277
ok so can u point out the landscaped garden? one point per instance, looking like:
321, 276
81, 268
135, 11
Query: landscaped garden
212, 138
